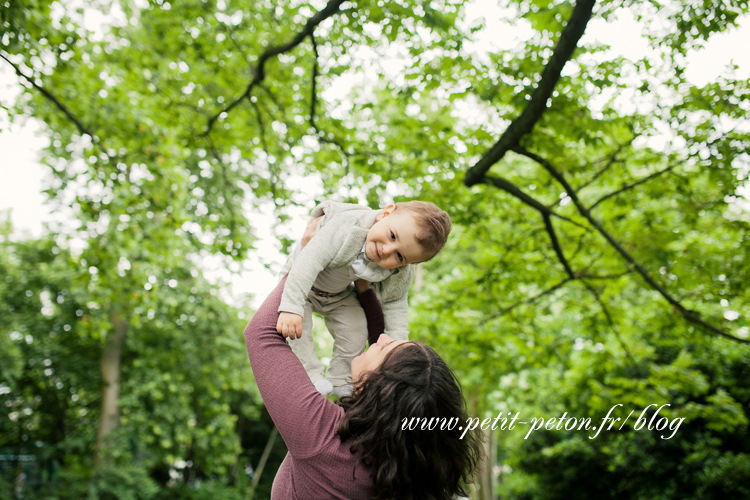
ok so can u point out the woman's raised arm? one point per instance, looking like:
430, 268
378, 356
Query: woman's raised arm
299, 411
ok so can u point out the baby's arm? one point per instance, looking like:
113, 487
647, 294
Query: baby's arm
315, 257
290, 324
396, 315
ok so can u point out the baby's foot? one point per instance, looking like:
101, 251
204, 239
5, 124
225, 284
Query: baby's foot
323, 386
343, 390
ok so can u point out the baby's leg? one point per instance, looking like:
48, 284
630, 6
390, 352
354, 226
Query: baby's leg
347, 323
304, 347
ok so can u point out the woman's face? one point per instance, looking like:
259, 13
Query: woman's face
373, 357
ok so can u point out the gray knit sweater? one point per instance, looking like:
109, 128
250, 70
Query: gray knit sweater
338, 240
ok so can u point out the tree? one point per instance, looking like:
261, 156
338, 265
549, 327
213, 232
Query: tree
596, 203
188, 404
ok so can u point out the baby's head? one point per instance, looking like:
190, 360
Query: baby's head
407, 233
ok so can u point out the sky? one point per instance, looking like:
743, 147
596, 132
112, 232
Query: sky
23, 176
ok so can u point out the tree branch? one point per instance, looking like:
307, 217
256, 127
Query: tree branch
236, 44
272, 174
637, 183
260, 72
313, 105
261, 127
545, 212
556, 245
528, 300
534, 298
605, 276
611, 323
226, 188
81, 128
111, 156
514, 190
688, 314
612, 159
538, 104
314, 91
282, 116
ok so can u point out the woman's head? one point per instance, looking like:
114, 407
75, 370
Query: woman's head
373, 357
409, 383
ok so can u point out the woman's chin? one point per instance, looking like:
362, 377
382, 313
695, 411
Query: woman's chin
355, 368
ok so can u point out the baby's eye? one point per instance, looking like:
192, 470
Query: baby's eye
393, 236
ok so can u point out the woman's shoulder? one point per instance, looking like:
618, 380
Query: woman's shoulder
332, 472
318, 429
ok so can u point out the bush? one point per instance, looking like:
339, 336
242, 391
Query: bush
127, 482
207, 490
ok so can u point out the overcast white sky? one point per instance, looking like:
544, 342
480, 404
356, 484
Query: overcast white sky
23, 177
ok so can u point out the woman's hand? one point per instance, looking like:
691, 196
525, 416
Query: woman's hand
312, 226
362, 286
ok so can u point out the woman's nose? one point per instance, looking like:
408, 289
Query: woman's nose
385, 339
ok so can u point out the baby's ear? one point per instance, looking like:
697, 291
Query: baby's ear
386, 212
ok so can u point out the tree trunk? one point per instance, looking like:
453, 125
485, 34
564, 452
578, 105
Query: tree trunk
110, 414
262, 461
487, 478
485, 485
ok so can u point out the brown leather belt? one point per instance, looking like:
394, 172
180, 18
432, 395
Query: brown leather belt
321, 293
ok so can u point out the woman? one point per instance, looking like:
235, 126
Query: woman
357, 449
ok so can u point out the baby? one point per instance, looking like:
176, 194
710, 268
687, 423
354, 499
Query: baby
354, 242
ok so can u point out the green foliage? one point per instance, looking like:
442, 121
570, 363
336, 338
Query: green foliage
637, 463
694, 22
208, 490
187, 385
122, 483
165, 152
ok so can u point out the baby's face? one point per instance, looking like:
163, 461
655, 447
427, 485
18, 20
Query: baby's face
391, 242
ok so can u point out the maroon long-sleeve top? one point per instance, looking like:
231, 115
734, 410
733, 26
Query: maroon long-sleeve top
318, 465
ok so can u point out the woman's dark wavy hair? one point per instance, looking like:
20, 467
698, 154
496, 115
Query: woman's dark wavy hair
412, 381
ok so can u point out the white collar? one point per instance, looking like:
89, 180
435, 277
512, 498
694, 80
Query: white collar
366, 269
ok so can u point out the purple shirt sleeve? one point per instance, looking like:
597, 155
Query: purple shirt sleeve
305, 418
374, 312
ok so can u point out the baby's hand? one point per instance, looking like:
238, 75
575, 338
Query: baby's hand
289, 325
